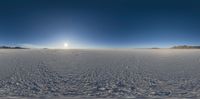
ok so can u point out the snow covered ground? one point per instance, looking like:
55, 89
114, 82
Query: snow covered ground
136, 73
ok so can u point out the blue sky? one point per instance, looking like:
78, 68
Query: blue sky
99, 23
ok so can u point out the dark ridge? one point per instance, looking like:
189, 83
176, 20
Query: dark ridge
9, 47
186, 47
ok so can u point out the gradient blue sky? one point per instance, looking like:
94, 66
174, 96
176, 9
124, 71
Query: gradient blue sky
100, 23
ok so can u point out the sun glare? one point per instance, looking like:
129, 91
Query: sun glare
65, 44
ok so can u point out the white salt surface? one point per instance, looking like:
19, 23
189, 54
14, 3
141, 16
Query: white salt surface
88, 74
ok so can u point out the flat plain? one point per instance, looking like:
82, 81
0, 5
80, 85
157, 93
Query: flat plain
99, 73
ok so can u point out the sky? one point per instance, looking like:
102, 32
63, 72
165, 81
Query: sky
99, 23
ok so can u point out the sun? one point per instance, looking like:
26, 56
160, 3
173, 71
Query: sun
65, 44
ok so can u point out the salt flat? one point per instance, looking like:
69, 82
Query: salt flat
100, 73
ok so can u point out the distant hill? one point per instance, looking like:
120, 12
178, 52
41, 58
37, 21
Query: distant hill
8, 47
186, 47
155, 48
